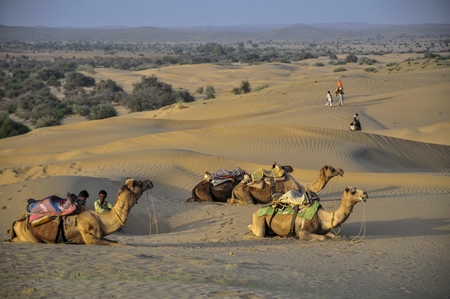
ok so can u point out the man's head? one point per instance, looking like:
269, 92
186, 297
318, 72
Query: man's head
102, 195
83, 195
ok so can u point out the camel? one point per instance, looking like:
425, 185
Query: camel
244, 194
318, 228
206, 191
87, 227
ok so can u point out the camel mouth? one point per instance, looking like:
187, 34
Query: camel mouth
364, 197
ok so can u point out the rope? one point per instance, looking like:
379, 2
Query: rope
154, 213
358, 238
117, 215
332, 227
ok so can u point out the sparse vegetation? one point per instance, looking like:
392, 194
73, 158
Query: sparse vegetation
9, 127
339, 69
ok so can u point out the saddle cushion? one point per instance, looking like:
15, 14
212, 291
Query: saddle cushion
307, 213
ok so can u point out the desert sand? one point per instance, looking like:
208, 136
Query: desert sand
398, 241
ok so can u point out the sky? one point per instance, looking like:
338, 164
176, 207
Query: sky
168, 13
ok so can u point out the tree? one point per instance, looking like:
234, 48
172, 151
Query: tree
9, 127
351, 58
102, 111
210, 92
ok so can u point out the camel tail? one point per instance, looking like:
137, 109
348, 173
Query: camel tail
11, 232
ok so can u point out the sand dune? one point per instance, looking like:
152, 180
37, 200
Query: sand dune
192, 250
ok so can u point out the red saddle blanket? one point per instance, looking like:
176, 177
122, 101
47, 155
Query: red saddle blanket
51, 205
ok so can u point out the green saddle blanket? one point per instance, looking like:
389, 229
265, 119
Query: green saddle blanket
307, 213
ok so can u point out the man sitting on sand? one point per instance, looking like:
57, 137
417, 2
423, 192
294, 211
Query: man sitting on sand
101, 205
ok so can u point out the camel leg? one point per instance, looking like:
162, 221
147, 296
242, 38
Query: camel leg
22, 234
258, 226
308, 236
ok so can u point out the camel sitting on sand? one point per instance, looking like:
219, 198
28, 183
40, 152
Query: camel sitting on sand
87, 227
206, 190
318, 228
246, 194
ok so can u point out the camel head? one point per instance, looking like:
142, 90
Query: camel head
330, 171
353, 195
137, 187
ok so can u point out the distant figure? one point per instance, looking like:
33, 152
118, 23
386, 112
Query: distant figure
340, 87
356, 124
101, 205
329, 99
340, 93
83, 196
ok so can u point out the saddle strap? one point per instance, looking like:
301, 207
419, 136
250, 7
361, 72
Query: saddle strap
292, 229
272, 186
60, 231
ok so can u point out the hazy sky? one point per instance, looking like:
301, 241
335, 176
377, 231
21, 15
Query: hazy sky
160, 13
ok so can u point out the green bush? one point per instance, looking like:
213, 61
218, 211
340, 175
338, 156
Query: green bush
262, 86
102, 111
351, 58
210, 92
337, 62
369, 69
368, 61
319, 64
10, 128
339, 69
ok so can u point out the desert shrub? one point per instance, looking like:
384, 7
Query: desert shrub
431, 55
332, 56
351, 58
210, 92
392, 64
82, 110
108, 85
262, 86
152, 94
199, 90
369, 69
102, 111
10, 128
339, 69
319, 64
368, 61
244, 88
337, 62
86, 68
75, 79
47, 121
185, 96
236, 90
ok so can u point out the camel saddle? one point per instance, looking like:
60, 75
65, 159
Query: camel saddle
222, 175
46, 209
291, 203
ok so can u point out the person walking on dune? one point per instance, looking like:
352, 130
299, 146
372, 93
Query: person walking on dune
329, 99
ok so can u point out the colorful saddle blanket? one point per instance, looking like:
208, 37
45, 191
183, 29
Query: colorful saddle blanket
223, 174
307, 213
51, 205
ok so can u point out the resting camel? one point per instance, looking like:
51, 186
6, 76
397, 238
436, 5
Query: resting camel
244, 194
87, 227
318, 228
206, 191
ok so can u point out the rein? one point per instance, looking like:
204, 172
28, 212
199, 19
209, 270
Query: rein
117, 215
336, 233
154, 213
359, 238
